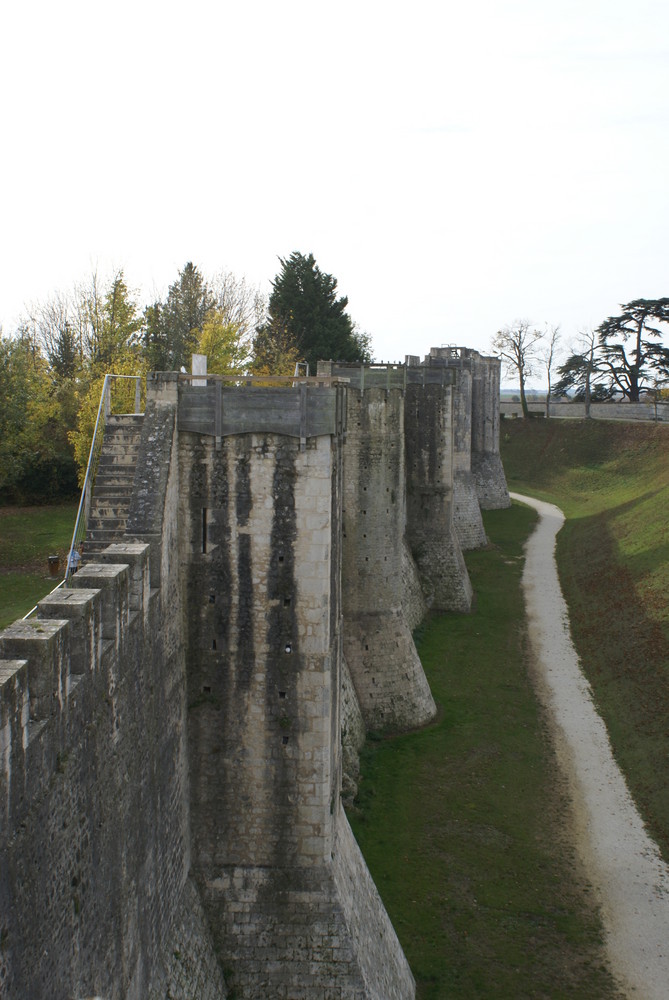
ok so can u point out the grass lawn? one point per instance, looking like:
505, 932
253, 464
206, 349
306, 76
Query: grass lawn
28, 536
462, 823
612, 481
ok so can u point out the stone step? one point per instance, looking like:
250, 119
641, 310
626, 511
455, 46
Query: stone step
106, 535
129, 423
120, 457
101, 505
116, 442
109, 494
115, 524
112, 490
115, 476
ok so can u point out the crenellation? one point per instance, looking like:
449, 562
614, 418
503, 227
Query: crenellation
46, 647
113, 581
83, 610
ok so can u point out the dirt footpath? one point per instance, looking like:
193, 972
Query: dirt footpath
623, 863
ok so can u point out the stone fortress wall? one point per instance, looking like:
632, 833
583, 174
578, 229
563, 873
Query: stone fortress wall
177, 727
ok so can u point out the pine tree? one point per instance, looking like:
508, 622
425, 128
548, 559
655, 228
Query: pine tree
304, 306
188, 302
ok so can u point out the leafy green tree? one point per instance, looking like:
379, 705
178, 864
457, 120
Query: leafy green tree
274, 351
304, 306
226, 347
630, 350
119, 327
36, 463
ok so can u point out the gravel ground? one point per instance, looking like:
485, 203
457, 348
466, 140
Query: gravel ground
621, 860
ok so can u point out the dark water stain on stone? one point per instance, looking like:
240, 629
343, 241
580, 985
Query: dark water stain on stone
283, 659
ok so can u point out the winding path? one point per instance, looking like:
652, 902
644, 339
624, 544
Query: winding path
622, 861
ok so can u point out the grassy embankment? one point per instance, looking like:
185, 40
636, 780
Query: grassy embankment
462, 823
28, 536
612, 481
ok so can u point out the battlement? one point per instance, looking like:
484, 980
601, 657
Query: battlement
72, 643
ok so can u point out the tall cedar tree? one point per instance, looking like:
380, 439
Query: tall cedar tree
305, 308
623, 355
629, 346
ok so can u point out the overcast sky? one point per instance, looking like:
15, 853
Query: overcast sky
455, 165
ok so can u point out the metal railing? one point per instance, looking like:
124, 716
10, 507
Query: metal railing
79, 533
104, 410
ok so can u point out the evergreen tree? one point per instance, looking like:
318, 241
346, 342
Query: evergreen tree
623, 355
188, 302
154, 339
630, 349
304, 307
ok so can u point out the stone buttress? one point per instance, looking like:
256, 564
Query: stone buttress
385, 668
291, 904
487, 467
467, 518
429, 430
483, 433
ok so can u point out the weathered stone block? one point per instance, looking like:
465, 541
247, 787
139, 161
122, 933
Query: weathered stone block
46, 647
83, 610
136, 555
114, 583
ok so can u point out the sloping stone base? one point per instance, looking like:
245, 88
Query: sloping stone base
413, 598
467, 519
190, 966
443, 573
387, 674
308, 933
491, 487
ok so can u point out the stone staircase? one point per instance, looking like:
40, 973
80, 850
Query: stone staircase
113, 483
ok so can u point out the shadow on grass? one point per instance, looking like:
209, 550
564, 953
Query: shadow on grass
462, 824
625, 655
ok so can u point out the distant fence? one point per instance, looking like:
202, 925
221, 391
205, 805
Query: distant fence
598, 411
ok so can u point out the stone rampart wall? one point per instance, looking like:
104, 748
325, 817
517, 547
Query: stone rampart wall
648, 411
94, 834
175, 726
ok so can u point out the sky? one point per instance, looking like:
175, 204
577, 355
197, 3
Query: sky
456, 166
